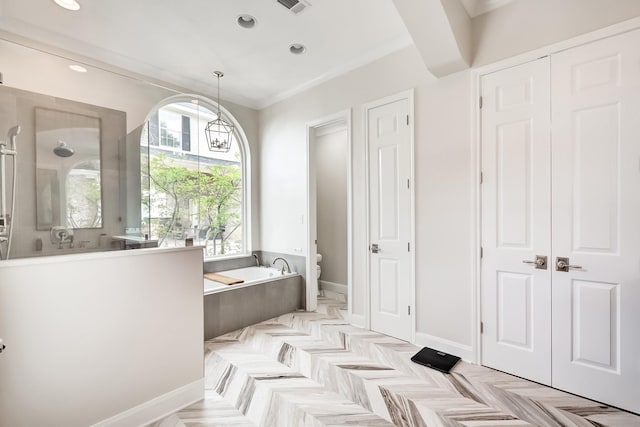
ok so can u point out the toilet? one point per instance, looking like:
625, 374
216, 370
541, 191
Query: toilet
318, 268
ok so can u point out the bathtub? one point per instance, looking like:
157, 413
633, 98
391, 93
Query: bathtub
251, 275
266, 293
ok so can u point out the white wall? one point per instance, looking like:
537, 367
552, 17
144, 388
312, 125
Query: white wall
445, 212
443, 188
90, 336
445, 149
525, 25
331, 148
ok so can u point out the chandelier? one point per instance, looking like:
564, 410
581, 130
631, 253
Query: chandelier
219, 132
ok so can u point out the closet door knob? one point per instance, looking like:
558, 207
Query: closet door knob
540, 262
562, 264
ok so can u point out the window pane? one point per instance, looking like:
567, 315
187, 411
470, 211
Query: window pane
192, 192
84, 200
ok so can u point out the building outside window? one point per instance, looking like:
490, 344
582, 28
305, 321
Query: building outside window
170, 123
188, 191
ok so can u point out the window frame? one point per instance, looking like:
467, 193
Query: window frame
245, 161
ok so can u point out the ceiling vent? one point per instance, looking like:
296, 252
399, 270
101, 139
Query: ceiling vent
294, 6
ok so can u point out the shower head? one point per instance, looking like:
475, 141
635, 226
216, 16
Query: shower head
11, 136
62, 150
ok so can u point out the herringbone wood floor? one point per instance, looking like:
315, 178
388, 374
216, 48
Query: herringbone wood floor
314, 369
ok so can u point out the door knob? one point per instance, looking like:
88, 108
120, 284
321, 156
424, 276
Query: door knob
2, 346
374, 248
562, 264
540, 262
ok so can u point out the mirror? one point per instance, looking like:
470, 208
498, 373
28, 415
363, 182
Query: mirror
68, 173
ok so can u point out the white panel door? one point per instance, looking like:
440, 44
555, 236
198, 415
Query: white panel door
596, 220
516, 311
390, 216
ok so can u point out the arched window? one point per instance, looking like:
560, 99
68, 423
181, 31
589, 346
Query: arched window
190, 193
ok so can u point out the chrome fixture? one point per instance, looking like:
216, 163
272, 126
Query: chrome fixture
7, 212
297, 49
285, 263
2, 346
62, 235
562, 264
257, 261
62, 150
246, 21
375, 248
540, 262
219, 132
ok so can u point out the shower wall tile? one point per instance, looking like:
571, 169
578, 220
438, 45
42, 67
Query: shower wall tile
213, 266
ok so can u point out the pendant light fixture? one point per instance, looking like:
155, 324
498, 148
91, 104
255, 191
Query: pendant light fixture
219, 131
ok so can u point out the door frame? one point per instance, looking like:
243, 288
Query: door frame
476, 147
312, 213
409, 96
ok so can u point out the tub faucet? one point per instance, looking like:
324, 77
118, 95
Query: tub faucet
257, 261
285, 262
65, 237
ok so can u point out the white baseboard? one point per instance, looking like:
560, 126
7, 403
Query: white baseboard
357, 320
157, 408
464, 351
334, 287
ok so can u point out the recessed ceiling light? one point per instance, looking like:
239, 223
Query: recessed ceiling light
68, 4
246, 21
78, 68
297, 49
195, 101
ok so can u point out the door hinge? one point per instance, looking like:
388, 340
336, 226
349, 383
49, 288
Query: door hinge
408, 184
481, 177
481, 252
409, 310
480, 103
408, 246
407, 120
482, 327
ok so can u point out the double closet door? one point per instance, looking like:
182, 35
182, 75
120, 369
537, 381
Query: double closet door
561, 221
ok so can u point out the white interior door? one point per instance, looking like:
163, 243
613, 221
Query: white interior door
389, 141
596, 220
516, 311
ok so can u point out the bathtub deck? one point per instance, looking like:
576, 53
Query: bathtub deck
314, 369
250, 276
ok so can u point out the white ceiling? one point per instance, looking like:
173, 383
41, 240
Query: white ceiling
182, 42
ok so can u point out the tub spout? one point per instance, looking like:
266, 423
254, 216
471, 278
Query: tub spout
284, 263
256, 258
